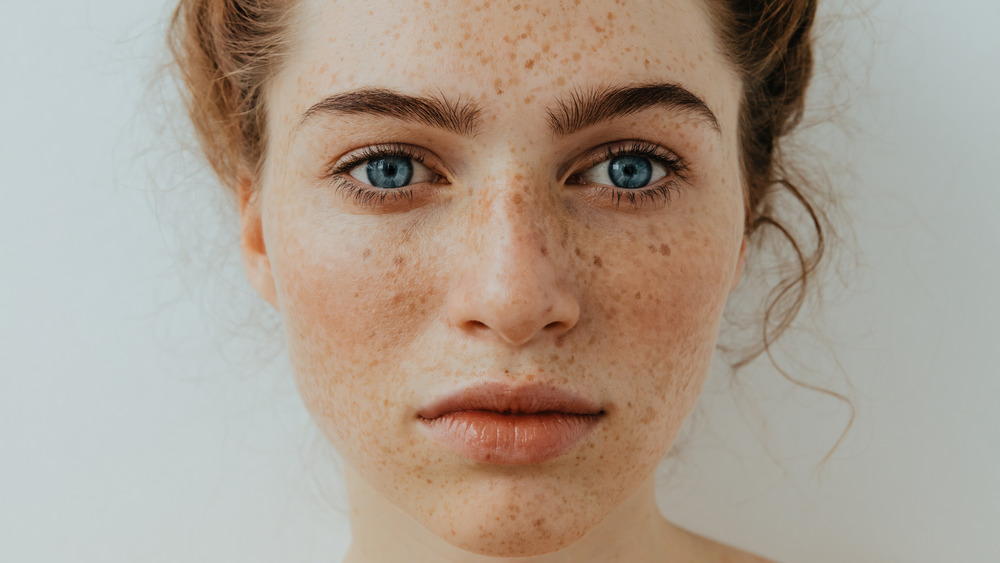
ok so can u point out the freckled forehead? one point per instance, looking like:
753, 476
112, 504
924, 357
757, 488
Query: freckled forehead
502, 51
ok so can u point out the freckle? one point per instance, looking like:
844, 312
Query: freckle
576, 56
560, 81
638, 295
652, 248
578, 253
598, 262
399, 260
664, 250
546, 47
529, 63
527, 100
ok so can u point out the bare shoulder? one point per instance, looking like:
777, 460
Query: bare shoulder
708, 549
728, 554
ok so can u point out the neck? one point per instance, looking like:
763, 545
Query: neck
634, 532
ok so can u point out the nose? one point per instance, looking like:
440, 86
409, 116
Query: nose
514, 281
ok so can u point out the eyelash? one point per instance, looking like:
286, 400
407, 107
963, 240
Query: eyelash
370, 197
655, 195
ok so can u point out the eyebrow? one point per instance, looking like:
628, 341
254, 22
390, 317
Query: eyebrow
584, 108
589, 107
459, 116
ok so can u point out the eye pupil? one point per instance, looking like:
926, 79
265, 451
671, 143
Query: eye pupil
630, 171
389, 172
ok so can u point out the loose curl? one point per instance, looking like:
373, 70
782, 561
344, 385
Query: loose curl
226, 52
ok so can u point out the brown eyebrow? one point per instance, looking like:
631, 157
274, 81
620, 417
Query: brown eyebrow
459, 116
583, 108
589, 107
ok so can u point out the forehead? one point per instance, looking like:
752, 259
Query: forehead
501, 53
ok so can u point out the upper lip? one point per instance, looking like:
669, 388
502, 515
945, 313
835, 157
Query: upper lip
504, 398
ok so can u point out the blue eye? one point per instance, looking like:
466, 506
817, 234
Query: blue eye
630, 171
389, 172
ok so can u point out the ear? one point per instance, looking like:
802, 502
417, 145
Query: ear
255, 260
738, 274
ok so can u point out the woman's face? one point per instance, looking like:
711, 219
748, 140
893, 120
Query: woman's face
530, 210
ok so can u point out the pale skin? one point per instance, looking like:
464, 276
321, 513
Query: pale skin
508, 258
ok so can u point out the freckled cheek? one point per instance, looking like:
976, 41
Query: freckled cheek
351, 312
675, 307
662, 307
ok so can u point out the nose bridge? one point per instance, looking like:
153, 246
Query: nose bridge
513, 283
517, 224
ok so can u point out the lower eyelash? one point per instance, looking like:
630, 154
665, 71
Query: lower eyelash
658, 195
370, 198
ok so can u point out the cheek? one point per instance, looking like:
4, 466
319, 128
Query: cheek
658, 307
352, 304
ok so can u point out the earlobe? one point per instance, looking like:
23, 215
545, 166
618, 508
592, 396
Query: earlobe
738, 274
255, 260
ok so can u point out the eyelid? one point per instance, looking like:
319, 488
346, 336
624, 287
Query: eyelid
675, 164
350, 160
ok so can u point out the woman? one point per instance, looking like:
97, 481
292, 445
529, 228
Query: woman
500, 236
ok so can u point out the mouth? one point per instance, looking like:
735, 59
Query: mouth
501, 424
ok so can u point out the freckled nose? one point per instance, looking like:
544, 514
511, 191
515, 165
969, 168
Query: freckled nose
511, 284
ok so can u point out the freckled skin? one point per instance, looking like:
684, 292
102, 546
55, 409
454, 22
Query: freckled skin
500, 271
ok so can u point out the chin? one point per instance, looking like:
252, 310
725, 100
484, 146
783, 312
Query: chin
500, 517
508, 534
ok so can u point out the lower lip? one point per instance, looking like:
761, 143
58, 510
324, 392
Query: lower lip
510, 439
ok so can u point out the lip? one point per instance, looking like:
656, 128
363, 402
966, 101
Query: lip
501, 424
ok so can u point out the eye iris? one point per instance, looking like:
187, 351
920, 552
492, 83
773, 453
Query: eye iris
630, 171
389, 172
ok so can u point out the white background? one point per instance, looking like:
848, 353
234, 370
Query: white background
140, 422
